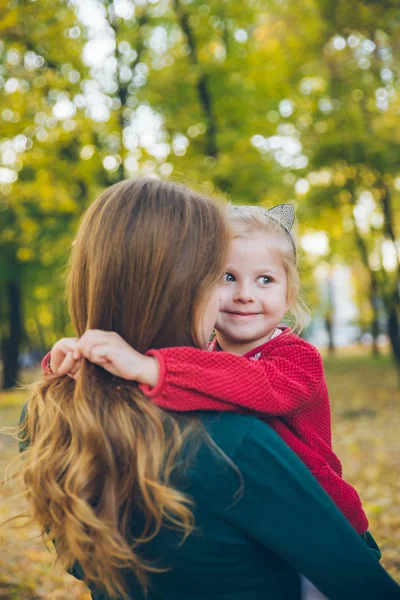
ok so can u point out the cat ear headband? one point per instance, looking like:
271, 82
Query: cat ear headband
284, 214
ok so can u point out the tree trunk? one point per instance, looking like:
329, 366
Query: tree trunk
12, 340
329, 330
394, 333
375, 333
375, 313
373, 284
329, 316
203, 83
123, 93
393, 319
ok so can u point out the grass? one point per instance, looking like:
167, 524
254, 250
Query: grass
365, 400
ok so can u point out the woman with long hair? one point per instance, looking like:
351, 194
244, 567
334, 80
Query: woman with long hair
145, 503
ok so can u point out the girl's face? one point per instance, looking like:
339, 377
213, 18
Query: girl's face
254, 295
209, 316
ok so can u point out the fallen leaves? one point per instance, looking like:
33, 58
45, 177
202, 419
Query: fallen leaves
365, 399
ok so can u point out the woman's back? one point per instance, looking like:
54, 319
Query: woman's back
229, 556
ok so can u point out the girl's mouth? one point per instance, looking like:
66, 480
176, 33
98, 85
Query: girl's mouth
241, 314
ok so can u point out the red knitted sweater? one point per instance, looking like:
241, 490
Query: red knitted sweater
281, 382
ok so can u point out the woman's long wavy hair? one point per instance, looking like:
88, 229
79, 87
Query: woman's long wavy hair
146, 256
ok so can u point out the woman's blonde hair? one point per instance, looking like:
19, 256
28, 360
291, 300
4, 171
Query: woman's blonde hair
247, 220
98, 452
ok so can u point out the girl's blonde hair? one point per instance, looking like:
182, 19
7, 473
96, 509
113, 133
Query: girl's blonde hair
98, 453
247, 220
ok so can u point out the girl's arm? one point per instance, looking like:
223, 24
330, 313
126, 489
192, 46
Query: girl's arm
282, 383
186, 378
284, 509
105, 348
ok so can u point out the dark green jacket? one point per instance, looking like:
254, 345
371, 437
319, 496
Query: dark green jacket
253, 547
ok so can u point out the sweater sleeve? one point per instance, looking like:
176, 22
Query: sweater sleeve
46, 365
285, 381
284, 509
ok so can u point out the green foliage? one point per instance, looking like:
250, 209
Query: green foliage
241, 97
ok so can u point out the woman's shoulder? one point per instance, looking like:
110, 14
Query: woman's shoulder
245, 453
235, 434
227, 456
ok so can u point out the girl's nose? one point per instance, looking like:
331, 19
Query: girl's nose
243, 295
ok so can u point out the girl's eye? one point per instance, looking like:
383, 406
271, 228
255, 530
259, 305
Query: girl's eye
264, 279
229, 278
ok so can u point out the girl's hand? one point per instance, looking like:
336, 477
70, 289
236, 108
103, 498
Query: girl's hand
65, 358
115, 355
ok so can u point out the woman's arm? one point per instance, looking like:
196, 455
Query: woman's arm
285, 509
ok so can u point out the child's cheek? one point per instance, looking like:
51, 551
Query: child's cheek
226, 291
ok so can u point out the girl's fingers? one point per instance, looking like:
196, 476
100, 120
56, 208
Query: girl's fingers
75, 375
66, 344
60, 351
67, 365
76, 367
100, 354
66, 362
89, 340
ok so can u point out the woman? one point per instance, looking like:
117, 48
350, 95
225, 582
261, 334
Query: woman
139, 500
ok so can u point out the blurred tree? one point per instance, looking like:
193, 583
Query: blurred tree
347, 110
251, 98
39, 149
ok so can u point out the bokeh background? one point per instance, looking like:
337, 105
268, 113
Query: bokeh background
263, 101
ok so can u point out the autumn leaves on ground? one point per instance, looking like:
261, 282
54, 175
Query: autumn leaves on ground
365, 396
